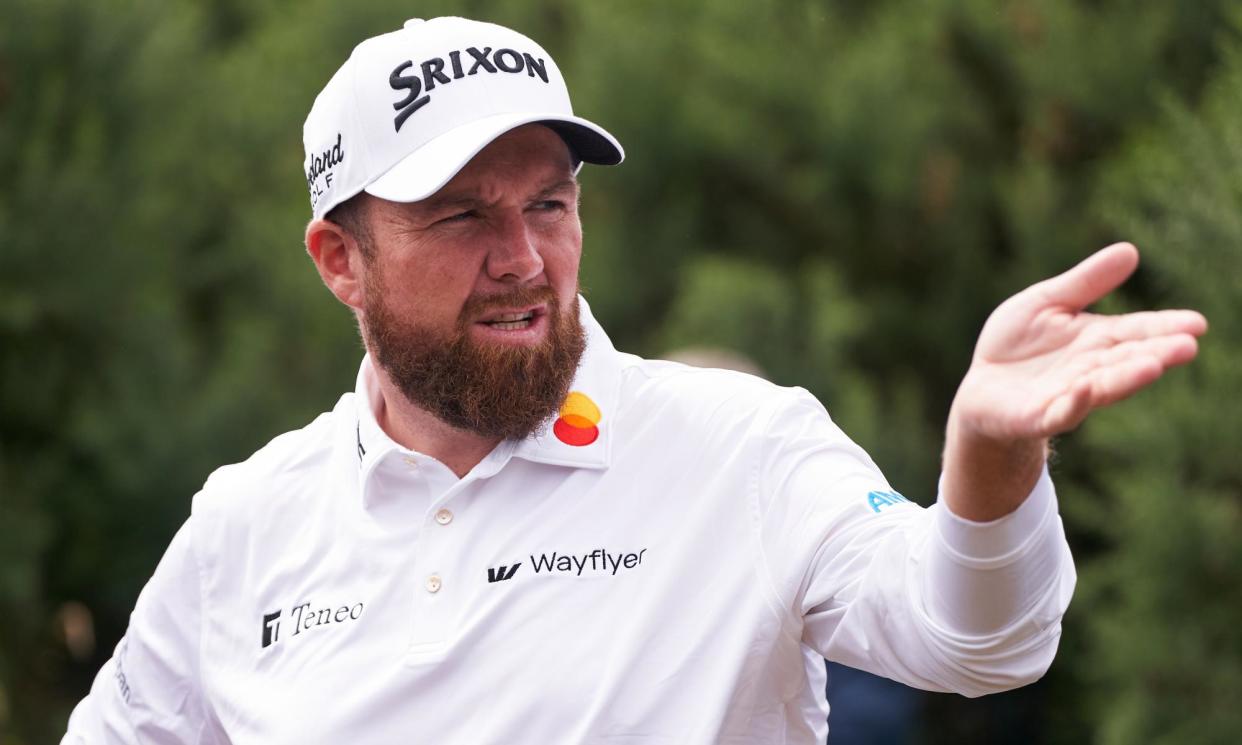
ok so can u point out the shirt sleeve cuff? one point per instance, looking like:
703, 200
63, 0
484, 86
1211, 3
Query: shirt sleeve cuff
999, 542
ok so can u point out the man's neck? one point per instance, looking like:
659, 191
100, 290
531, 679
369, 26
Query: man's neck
416, 429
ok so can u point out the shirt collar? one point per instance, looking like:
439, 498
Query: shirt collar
579, 436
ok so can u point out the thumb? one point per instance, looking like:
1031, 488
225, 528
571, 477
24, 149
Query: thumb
1093, 277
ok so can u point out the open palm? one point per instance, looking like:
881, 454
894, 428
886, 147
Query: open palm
1042, 363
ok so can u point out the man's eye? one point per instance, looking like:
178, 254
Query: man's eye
459, 217
549, 205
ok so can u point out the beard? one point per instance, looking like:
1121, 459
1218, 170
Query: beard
493, 390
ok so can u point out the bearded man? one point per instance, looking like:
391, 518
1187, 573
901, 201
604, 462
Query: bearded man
511, 532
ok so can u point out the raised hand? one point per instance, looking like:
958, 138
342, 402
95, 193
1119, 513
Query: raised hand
1042, 364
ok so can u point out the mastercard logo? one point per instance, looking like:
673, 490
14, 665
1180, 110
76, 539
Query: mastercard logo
579, 420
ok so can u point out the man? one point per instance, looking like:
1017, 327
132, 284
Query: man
512, 532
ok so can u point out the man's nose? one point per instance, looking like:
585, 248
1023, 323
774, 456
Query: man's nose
514, 256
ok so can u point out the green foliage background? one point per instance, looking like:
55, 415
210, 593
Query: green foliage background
843, 190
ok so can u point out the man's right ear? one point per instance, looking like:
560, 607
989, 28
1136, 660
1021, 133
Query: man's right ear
338, 257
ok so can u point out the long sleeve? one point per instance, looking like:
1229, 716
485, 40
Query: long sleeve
917, 595
987, 586
149, 691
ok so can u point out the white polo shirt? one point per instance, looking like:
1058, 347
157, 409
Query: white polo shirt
667, 563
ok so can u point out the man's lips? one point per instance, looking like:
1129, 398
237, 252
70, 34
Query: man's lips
512, 319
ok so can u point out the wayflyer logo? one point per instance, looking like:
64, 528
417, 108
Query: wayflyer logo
502, 572
598, 562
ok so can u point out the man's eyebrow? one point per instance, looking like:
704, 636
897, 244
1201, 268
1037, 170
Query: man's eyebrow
443, 202
569, 183
455, 201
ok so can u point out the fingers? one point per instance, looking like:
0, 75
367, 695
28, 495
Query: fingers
1172, 350
1068, 410
1092, 279
1098, 389
1127, 368
1118, 382
1154, 323
1117, 374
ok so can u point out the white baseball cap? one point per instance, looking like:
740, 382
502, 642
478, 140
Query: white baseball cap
410, 108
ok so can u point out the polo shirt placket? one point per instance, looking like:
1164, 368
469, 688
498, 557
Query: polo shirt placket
398, 485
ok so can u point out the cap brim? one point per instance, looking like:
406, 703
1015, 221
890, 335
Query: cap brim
424, 171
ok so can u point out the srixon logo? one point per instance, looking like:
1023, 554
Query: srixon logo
462, 63
303, 618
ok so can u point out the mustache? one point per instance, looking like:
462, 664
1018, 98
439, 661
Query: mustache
518, 296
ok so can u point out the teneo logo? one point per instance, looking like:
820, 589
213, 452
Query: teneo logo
321, 164
304, 618
881, 499
271, 628
599, 561
418, 87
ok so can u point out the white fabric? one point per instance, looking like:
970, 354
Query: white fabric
721, 533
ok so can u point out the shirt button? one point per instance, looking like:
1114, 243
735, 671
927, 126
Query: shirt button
433, 584
444, 517
410, 461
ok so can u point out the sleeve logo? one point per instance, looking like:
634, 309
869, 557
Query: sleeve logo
881, 499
